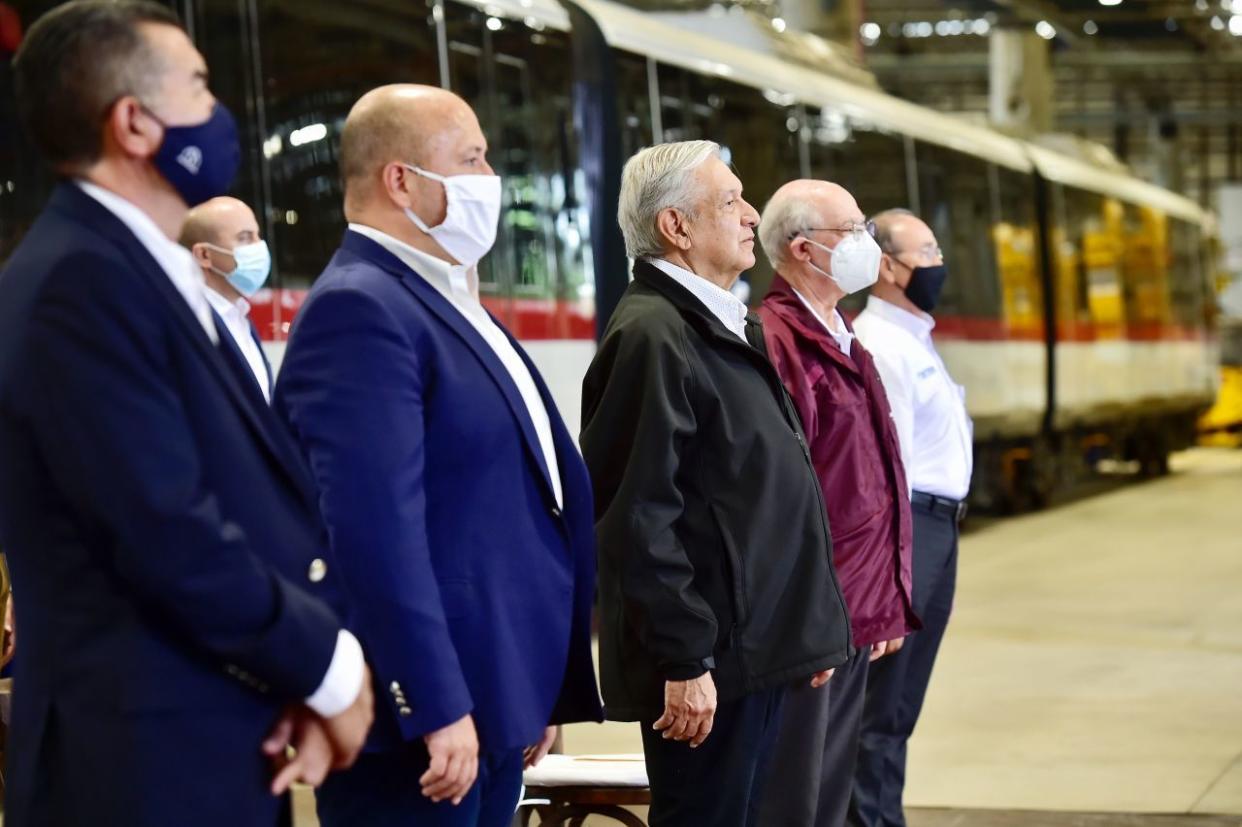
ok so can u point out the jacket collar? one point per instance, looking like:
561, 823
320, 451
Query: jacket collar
72, 202
648, 275
783, 302
375, 253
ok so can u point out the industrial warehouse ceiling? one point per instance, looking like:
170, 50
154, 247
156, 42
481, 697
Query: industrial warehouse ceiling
1202, 26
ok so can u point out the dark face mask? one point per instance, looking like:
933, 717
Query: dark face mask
200, 160
923, 289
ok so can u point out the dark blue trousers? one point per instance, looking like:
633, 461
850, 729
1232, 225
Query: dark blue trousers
382, 790
897, 684
720, 782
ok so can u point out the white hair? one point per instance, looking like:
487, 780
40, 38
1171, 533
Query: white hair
655, 179
785, 217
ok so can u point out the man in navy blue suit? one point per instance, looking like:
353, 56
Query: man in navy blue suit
458, 504
176, 593
223, 235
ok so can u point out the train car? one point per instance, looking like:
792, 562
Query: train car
1077, 314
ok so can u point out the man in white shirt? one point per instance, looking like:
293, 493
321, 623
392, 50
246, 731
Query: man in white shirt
458, 505
177, 600
935, 434
223, 236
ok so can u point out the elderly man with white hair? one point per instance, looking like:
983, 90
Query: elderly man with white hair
717, 590
822, 249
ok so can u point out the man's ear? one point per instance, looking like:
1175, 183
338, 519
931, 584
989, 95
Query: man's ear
129, 128
202, 255
672, 224
395, 179
888, 273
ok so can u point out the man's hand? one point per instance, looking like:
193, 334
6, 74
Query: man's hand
348, 731
454, 753
821, 678
536, 752
301, 731
886, 647
689, 709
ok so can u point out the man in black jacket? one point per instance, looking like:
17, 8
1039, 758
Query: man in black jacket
716, 583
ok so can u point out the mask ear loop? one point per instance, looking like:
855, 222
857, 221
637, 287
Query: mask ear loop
409, 213
222, 251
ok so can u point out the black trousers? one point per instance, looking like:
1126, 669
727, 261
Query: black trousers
720, 782
897, 684
811, 771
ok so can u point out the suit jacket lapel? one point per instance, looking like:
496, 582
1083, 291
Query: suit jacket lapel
95, 215
455, 321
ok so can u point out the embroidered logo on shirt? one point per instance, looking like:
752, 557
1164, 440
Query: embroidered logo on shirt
926, 373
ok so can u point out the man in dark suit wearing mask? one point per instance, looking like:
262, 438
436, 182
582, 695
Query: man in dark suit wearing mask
177, 614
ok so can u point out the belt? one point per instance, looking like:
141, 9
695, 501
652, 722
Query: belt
939, 505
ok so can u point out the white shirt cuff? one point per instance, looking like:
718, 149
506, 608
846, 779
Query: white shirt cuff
343, 680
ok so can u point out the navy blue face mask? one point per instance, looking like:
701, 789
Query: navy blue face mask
201, 160
923, 289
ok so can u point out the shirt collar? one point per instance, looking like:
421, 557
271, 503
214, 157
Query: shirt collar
728, 308
919, 325
842, 336
453, 280
236, 309
176, 261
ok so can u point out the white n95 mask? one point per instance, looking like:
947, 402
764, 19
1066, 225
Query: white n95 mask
468, 230
855, 261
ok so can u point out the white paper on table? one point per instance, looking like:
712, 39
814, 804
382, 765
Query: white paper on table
622, 770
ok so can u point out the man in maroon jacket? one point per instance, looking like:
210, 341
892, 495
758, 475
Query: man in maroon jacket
823, 249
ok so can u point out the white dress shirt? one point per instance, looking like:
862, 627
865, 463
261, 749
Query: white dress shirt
343, 680
236, 316
840, 334
176, 261
722, 304
454, 283
929, 408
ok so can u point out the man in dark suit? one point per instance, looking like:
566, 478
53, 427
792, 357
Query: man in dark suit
717, 590
160, 527
458, 505
223, 235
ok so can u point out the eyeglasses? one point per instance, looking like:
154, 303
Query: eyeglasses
927, 251
854, 228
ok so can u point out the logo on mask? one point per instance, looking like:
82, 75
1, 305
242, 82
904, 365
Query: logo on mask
191, 158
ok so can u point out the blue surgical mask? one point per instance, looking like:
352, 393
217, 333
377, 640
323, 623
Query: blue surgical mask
254, 262
201, 160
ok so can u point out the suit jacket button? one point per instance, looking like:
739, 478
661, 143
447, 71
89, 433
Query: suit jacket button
395, 688
405, 711
556, 512
318, 570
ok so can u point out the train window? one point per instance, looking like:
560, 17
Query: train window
308, 89
758, 133
513, 74
633, 102
868, 162
957, 200
1015, 244
1145, 270
1187, 281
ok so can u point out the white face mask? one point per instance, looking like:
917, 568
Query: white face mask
468, 230
855, 261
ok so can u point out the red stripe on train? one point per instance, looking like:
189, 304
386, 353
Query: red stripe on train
542, 319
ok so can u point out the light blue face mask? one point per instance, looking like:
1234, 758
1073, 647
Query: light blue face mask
254, 263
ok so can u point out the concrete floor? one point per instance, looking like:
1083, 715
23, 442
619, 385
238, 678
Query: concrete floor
1093, 665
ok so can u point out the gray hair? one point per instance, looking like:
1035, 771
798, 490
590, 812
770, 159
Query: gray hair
884, 226
785, 217
655, 179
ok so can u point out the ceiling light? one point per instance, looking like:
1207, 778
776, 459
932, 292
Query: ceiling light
1218, 24
1090, 28
1045, 30
1235, 25
1110, 2
778, 23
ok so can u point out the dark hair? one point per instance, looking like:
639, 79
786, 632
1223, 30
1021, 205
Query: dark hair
884, 227
74, 63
